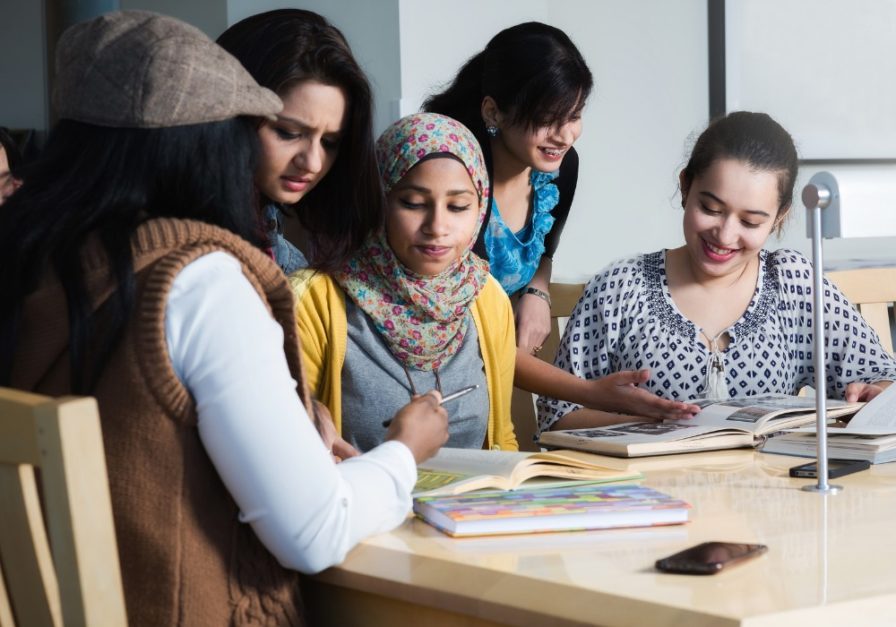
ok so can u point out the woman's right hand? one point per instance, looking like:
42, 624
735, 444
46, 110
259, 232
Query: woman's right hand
421, 425
619, 392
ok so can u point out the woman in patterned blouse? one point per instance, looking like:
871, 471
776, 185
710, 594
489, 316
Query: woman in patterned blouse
720, 316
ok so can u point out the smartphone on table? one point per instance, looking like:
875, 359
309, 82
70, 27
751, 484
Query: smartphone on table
709, 558
836, 468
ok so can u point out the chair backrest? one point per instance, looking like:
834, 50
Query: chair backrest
58, 552
873, 291
564, 297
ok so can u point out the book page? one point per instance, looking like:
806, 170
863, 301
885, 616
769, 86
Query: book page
877, 417
633, 432
752, 413
471, 462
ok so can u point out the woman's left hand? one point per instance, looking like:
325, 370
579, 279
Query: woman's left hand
533, 322
338, 447
864, 391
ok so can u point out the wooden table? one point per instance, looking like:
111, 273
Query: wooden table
831, 560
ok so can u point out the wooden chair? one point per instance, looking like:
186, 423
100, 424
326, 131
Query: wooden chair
564, 297
873, 291
57, 543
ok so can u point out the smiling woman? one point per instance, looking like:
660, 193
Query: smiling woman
523, 96
720, 316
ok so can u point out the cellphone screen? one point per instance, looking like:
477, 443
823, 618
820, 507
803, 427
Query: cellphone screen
709, 557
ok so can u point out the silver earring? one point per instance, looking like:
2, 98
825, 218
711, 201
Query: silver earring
492, 131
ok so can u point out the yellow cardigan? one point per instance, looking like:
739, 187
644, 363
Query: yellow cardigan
323, 330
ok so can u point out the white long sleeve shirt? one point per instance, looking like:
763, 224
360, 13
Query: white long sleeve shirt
228, 351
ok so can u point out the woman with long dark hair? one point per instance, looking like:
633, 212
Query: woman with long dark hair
131, 270
317, 159
522, 96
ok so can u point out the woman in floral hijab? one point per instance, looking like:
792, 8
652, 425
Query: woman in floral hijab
406, 314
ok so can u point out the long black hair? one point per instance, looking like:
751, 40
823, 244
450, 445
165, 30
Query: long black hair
283, 48
533, 71
93, 181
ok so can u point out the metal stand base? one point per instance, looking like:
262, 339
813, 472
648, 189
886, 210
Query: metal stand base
830, 489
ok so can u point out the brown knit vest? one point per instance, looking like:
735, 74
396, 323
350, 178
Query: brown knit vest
185, 558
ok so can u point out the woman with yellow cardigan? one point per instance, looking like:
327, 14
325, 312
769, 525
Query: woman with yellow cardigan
415, 309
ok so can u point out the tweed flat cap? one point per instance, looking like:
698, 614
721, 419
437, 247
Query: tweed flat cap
137, 69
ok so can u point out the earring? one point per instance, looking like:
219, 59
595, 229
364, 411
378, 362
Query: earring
492, 131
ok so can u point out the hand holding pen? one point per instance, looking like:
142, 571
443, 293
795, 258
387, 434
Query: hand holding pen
421, 425
445, 399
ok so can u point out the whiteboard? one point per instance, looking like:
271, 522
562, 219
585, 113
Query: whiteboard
825, 69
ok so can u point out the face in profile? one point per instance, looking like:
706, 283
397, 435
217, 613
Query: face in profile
729, 212
8, 183
431, 215
300, 147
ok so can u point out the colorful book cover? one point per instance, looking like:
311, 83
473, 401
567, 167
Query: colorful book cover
590, 506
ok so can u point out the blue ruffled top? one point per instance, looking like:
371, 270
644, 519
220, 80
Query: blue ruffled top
514, 257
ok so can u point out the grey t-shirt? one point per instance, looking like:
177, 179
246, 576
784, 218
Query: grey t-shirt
375, 386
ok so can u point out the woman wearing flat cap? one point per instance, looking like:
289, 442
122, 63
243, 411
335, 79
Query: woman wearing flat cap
131, 269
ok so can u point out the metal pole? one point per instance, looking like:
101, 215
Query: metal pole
816, 198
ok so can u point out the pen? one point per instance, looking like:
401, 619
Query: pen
445, 399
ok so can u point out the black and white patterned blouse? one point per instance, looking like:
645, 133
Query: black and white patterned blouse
626, 320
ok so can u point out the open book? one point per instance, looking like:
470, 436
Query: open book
456, 470
729, 423
570, 508
870, 434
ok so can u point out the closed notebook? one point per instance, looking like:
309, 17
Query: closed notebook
571, 508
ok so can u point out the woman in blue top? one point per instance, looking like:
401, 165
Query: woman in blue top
317, 160
522, 97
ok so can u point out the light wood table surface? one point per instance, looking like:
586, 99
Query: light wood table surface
831, 560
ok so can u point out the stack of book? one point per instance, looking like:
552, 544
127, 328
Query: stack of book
472, 492
870, 435
580, 507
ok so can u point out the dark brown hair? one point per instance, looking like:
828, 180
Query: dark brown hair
753, 138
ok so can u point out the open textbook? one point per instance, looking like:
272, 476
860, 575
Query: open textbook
870, 434
729, 423
456, 470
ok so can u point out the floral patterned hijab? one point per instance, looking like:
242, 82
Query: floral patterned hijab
421, 318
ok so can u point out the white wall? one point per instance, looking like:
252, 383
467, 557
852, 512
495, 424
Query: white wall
649, 60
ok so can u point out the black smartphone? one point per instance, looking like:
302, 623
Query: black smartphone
709, 558
836, 468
